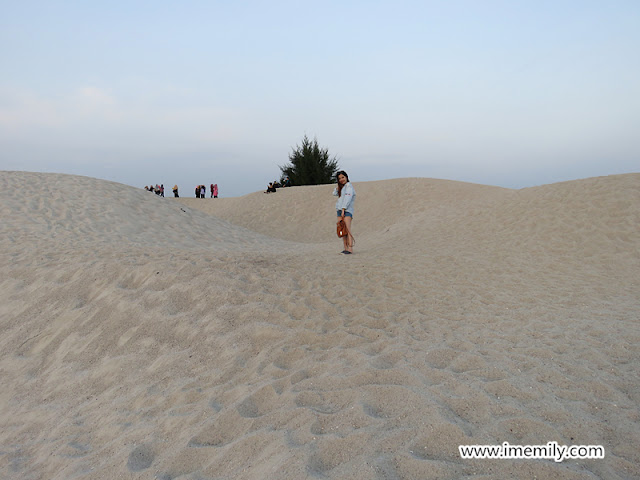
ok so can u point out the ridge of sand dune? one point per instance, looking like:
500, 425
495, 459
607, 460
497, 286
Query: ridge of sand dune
581, 218
473, 315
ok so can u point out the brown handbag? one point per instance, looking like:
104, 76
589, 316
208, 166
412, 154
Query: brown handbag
342, 229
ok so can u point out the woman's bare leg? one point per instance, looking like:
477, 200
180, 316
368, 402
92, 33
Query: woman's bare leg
348, 240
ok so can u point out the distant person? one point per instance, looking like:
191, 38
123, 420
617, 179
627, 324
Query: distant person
175, 191
270, 189
203, 191
286, 182
162, 189
197, 191
215, 190
211, 188
151, 189
277, 184
344, 206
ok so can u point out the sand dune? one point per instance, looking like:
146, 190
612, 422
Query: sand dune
147, 337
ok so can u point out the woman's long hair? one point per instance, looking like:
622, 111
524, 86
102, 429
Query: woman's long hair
341, 172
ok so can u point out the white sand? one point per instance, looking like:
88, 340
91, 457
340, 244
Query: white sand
153, 338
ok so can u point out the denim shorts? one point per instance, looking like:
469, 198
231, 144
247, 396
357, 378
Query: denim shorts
346, 214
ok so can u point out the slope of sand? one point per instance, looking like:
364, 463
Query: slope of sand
145, 337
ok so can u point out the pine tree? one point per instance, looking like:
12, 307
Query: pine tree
310, 164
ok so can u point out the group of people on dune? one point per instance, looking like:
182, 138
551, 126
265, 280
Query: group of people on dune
201, 191
273, 186
158, 189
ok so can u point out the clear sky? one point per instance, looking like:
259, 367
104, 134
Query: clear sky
513, 93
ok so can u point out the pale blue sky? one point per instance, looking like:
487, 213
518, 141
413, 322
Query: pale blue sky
510, 93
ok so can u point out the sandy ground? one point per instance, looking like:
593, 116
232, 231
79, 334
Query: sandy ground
155, 338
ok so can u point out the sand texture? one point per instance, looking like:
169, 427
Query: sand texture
207, 339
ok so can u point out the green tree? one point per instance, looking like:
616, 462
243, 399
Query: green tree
310, 164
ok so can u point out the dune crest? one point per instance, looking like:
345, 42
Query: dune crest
148, 337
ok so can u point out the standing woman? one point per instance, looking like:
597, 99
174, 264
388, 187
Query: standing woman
346, 198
